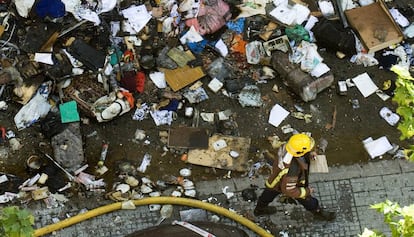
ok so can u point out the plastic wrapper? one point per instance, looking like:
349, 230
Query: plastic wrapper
38, 107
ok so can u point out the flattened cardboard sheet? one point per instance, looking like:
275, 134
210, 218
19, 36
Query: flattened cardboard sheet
183, 76
221, 158
319, 165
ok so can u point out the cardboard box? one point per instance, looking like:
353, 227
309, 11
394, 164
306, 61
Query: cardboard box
374, 26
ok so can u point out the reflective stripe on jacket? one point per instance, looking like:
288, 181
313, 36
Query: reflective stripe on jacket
292, 180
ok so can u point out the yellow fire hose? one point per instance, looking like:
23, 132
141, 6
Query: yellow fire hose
153, 200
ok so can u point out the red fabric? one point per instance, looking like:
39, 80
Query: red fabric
140, 78
133, 81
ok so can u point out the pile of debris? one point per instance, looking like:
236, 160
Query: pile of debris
65, 61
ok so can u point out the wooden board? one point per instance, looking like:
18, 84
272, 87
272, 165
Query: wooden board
221, 158
182, 77
375, 26
319, 165
188, 137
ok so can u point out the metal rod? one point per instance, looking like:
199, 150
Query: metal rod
71, 177
64, 32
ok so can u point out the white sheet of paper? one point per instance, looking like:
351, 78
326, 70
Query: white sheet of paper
291, 15
221, 48
320, 69
137, 16
365, 84
44, 58
191, 36
377, 147
208, 117
277, 115
159, 79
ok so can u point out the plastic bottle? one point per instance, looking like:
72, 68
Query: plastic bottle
104, 152
322, 145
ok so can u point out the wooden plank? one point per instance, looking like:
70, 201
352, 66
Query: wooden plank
188, 137
319, 165
221, 158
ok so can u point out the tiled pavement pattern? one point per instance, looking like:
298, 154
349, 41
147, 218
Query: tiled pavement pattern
349, 190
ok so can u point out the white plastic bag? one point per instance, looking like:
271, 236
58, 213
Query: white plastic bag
38, 107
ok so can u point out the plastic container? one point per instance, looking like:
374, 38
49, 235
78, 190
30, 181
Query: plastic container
389, 116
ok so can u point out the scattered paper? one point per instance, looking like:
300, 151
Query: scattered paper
162, 117
220, 144
44, 58
207, 117
3, 178
326, 7
159, 79
319, 70
221, 48
87, 14
137, 16
191, 36
224, 115
277, 115
146, 161
377, 147
291, 15
365, 84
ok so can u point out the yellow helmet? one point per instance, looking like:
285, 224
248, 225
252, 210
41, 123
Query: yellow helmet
299, 144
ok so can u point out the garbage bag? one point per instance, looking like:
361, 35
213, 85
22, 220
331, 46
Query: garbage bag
334, 37
38, 107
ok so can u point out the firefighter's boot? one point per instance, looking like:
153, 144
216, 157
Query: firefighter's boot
264, 210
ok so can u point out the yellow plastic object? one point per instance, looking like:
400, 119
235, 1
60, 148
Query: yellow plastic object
153, 200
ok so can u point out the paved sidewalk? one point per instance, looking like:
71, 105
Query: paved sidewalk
349, 190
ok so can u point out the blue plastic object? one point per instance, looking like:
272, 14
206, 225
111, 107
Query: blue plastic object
51, 8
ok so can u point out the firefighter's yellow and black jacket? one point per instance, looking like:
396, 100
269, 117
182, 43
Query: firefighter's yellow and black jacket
290, 175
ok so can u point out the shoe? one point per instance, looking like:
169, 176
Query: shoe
267, 210
324, 215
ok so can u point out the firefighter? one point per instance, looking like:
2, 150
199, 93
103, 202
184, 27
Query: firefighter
289, 178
